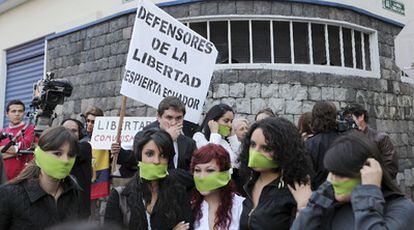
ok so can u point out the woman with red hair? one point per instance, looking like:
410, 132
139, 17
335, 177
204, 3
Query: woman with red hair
214, 204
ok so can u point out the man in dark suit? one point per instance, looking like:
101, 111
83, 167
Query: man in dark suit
170, 117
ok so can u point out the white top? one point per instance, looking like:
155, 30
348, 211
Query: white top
236, 211
175, 159
232, 146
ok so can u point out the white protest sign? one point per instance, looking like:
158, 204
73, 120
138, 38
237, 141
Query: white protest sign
166, 58
105, 129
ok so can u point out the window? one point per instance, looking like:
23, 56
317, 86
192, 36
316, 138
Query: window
318, 43
281, 42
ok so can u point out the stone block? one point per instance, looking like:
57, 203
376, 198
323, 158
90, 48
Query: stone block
315, 93
278, 105
227, 7
328, 93
258, 104
264, 76
221, 90
244, 7
252, 90
281, 8
293, 107
243, 105
307, 106
118, 23
194, 9
126, 33
299, 92
236, 90
229, 101
269, 90
340, 94
179, 11
209, 8
262, 7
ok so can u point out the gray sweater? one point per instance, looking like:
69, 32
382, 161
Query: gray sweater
369, 209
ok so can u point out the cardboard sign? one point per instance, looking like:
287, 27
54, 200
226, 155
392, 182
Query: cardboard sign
166, 58
105, 129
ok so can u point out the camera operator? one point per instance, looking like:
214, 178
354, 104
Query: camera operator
383, 141
82, 169
23, 135
324, 127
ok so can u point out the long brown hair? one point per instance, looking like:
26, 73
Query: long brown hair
51, 139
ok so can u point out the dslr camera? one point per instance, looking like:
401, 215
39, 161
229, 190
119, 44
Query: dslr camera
345, 121
47, 94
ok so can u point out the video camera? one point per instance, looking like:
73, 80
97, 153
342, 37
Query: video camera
47, 94
345, 121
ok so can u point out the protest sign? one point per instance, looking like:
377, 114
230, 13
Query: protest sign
105, 131
166, 58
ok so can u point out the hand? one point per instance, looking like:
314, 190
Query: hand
175, 131
182, 226
214, 126
301, 193
371, 172
115, 148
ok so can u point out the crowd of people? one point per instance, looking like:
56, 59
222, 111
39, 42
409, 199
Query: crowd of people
226, 173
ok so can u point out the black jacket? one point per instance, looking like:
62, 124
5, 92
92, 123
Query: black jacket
317, 147
276, 208
386, 148
171, 207
370, 208
186, 147
82, 170
27, 206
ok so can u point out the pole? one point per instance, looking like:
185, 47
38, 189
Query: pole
118, 134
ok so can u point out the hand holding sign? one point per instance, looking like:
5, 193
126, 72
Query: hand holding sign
166, 58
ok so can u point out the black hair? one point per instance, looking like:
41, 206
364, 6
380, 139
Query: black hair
170, 102
324, 117
170, 192
348, 154
267, 111
163, 141
290, 153
80, 126
214, 113
358, 110
15, 102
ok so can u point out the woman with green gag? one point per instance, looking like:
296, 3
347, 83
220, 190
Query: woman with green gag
216, 128
273, 155
214, 204
152, 199
44, 194
358, 193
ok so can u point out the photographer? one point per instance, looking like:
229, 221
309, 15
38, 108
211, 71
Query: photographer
23, 135
383, 141
324, 126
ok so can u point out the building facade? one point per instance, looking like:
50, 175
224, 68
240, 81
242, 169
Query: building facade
285, 55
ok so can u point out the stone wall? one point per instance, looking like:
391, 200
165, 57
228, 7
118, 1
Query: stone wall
93, 60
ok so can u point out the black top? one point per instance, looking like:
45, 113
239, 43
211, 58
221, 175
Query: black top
171, 207
276, 208
27, 206
317, 147
82, 170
